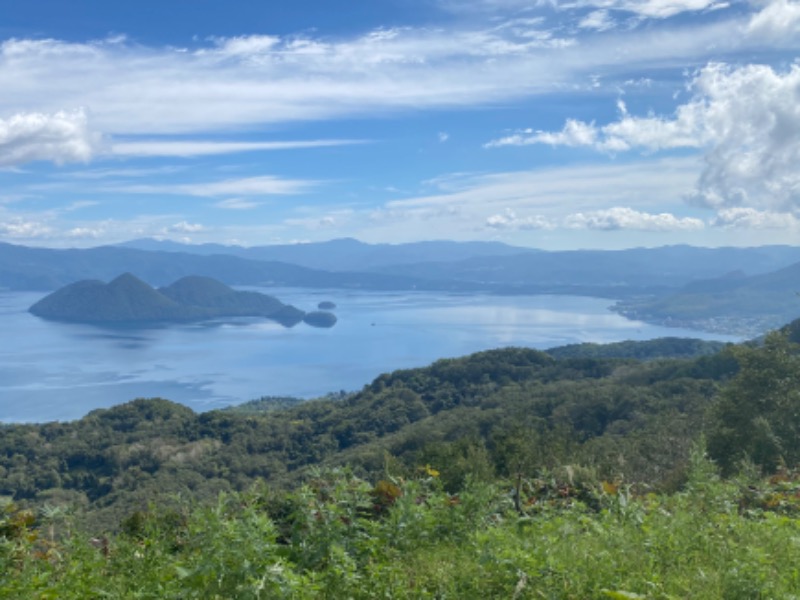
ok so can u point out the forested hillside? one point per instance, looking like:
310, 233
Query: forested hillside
489, 414
433, 482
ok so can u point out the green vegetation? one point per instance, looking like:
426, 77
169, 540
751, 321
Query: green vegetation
338, 536
507, 473
668, 347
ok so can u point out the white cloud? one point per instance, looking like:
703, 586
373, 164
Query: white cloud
60, 137
599, 20
626, 218
22, 229
746, 118
443, 136
85, 233
509, 220
750, 218
237, 82
780, 19
206, 148
185, 227
648, 133
237, 204
248, 45
265, 185
79, 205
551, 191
125, 173
655, 8
575, 133
646, 8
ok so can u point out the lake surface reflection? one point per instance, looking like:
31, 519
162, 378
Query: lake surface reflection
58, 371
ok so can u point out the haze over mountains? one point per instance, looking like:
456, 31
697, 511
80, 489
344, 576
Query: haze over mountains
721, 289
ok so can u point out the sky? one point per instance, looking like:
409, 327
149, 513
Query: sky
599, 124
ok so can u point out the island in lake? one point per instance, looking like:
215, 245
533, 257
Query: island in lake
129, 300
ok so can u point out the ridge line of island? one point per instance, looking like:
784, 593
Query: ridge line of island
127, 300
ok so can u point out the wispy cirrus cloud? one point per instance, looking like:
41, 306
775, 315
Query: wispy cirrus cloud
657, 9
188, 148
237, 204
239, 81
265, 185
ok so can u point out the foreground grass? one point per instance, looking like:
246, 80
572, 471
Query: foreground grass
339, 537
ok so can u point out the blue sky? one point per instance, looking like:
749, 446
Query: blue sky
580, 124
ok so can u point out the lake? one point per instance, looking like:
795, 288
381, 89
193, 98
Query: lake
59, 371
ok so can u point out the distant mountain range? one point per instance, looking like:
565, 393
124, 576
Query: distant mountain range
724, 289
499, 267
344, 254
46, 269
129, 300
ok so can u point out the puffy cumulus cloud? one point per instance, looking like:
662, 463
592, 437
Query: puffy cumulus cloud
779, 19
750, 218
629, 132
752, 117
60, 137
509, 220
747, 119
185, 227
626, 218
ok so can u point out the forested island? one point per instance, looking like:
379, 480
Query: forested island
634, 470
127, 300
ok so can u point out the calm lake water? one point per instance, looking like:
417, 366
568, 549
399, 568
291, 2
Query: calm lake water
58, 371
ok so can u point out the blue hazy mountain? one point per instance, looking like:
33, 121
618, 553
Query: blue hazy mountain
344, 254
25, 268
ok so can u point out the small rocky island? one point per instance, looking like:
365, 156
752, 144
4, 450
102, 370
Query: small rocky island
127, 300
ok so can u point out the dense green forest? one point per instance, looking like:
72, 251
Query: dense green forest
507, 473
